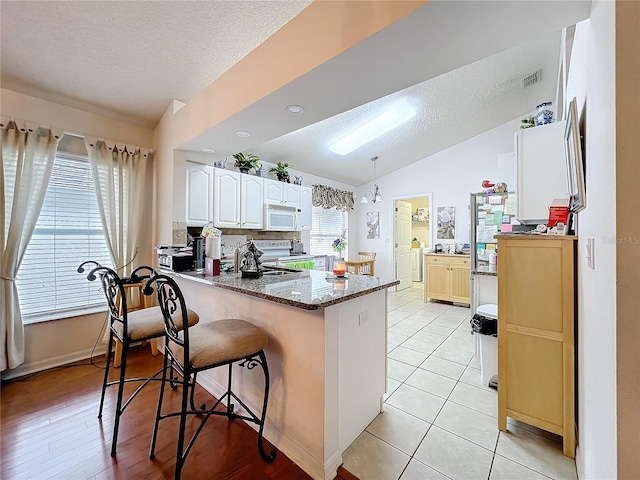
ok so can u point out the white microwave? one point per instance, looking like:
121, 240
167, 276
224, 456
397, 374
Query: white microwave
280, 219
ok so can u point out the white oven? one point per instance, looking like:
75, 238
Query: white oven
280, 219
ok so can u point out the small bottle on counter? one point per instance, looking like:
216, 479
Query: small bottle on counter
493, 258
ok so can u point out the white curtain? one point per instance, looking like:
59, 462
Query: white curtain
28, 152
119, 172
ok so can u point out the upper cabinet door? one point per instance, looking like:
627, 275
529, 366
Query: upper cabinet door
305, 215
272, 192
226, 211
199, 194
251, 211
290, 195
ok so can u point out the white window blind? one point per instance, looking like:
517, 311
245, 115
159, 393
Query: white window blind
326, 226
68, 232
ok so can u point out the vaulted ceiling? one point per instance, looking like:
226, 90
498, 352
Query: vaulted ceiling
459, 63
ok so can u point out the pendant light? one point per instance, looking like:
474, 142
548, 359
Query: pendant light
374, 191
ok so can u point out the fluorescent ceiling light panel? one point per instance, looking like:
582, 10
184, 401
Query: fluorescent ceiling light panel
399, 113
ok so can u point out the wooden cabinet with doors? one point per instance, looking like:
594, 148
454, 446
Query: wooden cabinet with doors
536, 322
447, 278
238, 200
281, 193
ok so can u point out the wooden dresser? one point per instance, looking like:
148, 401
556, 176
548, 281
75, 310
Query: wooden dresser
536, 321
446, 277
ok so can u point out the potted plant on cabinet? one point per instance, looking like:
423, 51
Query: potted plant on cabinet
245, 162
281, 171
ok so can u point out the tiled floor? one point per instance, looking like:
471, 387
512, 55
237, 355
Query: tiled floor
440, 421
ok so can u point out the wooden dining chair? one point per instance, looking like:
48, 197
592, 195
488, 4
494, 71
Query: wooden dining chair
367, 269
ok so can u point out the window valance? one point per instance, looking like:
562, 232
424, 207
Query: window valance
328, 197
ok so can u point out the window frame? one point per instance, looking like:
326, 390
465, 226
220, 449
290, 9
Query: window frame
330, 236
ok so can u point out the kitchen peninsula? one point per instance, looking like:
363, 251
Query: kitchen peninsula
326, 355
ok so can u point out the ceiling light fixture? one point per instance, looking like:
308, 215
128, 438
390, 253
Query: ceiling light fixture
208, 150
295, 109
243, 134
399, 113
374, 191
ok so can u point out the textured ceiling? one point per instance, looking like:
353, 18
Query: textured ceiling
451, 108
458, 62
129, 59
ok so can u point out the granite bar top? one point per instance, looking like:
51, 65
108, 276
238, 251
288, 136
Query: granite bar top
307, 289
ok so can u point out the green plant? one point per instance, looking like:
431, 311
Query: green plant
280, 169
414, 239
247, 161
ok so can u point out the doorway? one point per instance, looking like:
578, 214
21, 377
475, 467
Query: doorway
412, 237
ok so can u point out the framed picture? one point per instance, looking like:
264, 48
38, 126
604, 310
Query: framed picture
423, 214
575, 164
373, 225
446, 223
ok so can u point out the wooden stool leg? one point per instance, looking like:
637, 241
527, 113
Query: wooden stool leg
117, 358
154, 346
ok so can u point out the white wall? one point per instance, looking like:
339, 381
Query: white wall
450, 176
61, 341
592, 82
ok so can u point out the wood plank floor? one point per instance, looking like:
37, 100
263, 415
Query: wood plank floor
50, 430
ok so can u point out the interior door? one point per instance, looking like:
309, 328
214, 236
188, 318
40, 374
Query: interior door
402, 234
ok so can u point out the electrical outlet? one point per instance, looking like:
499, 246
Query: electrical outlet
363, 317
591, 253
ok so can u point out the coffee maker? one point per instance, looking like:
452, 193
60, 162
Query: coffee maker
198, 245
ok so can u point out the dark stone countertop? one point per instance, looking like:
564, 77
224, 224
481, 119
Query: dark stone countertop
307, 289
487, 270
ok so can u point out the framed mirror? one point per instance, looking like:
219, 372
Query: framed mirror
573, 156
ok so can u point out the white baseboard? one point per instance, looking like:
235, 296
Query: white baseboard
39, 366
287, 445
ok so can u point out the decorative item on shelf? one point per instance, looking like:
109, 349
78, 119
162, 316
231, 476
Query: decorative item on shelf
415, 243
250, 264
374, 191
340, 244
297, 179
261, 171
220, 163
281, 171
545, 114
527, 122
245, 162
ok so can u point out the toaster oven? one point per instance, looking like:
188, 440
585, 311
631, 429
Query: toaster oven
177, 262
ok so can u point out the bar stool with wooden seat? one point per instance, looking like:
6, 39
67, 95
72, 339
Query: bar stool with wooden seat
202, 347
367, 269
127, 327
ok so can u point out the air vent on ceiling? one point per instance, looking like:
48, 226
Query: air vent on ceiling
529, 80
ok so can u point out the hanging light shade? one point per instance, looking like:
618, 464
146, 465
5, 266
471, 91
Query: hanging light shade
374, 191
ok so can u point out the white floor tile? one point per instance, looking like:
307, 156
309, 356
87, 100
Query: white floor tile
430, 336
370, 458
396, 338
403, 328
475, 398
431, 382
475, 363
399, 429
536, 452
419, 471
471, 376
399, 371
505, 469
420, 345
406, 355
433, 327
443, 367
392, 386
453, 354
455, 457
416, 402
469, 424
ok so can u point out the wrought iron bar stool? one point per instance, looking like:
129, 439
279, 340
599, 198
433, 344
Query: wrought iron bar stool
127, 327
202, 347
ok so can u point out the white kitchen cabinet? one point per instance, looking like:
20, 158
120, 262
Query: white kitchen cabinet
305, 214
541, 172
199, 194
281, 193
251, 211
238, 200
226, 208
